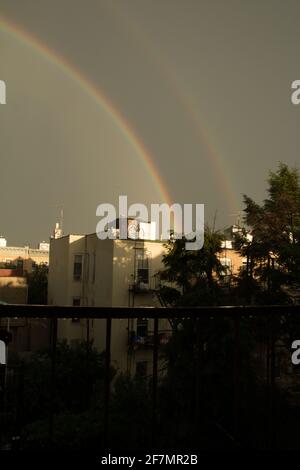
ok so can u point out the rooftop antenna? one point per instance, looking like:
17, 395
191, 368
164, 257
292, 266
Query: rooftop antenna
61, 217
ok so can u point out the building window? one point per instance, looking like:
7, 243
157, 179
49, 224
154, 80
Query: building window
227, 265
141, 369
143, 270
77, 270
244, 264
8, 264
142, 327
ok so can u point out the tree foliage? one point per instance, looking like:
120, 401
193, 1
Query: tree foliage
192, 275
273, 255
37, 281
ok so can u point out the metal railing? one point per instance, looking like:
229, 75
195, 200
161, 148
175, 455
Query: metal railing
270, 314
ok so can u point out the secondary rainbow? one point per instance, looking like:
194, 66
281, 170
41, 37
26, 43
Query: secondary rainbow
164, 68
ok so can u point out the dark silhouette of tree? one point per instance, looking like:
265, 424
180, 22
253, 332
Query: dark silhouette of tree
194, 274
78, 398
273, 255
37, 281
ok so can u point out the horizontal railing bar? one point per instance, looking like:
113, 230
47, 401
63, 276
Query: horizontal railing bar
50, 311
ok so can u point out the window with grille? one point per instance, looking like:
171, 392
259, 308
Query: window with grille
227, 265
143, 270
77, 270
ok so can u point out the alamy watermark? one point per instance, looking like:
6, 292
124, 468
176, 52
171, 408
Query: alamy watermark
2, 92
188, 222
296, 352
2, 353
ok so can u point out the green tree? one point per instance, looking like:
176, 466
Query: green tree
194, 274
77, 398
37, 281
273, 255
78, 370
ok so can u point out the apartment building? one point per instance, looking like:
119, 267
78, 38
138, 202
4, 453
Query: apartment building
230, 257
86, 271
15, 262
22, 258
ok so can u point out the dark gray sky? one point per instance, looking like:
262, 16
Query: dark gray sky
205, 85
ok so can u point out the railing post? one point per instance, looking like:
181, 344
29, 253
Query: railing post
237, 375
154, 381
270, 379
197, 371
2, 400
87, 390
272, 404
107, 382
20, 405
52, 378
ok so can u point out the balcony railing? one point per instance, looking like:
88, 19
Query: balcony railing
266, 323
